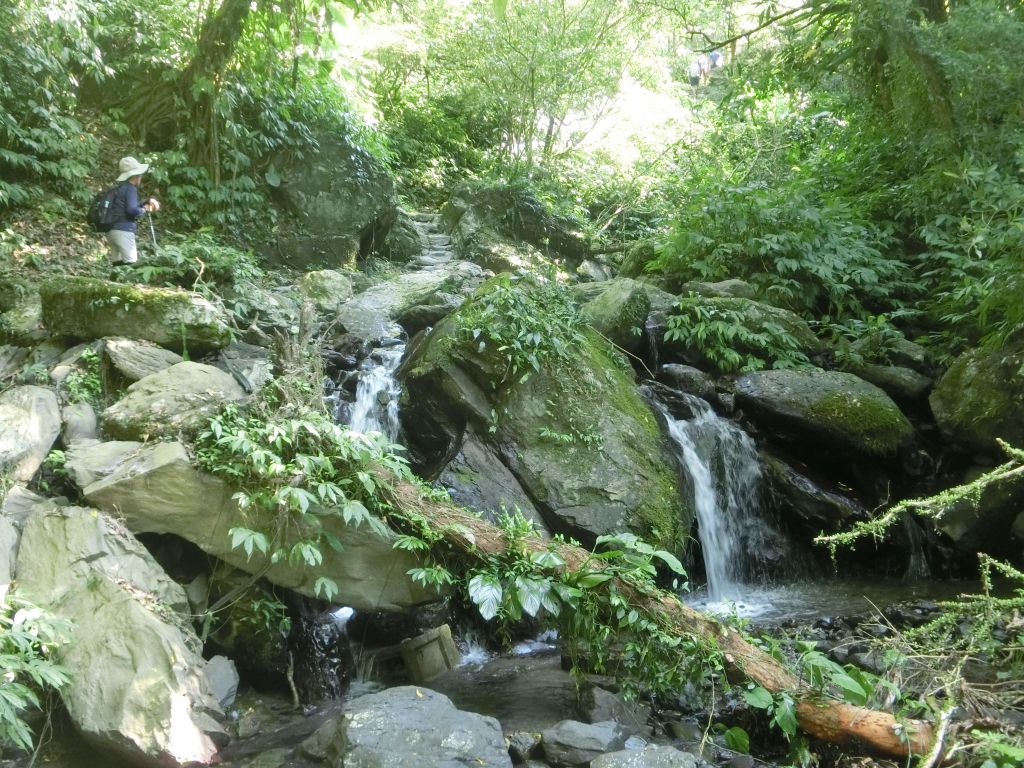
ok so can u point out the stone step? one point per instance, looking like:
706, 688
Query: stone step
436, 240
427, 260
431, 218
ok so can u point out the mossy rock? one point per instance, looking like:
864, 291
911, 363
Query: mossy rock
634, 263
617, 309
85, 308
981, 398
840, 409
577, 434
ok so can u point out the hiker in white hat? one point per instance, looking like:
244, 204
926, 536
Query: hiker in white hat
125, 210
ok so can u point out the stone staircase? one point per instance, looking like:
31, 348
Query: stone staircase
439, 250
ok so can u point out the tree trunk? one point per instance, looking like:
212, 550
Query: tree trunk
934, 10
200, 83
827, 719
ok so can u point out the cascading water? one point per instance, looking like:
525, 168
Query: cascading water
723, 464
376, 405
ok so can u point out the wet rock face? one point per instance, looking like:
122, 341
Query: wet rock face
408, 726
981, 398
570, 743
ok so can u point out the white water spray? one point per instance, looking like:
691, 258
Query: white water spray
376, 406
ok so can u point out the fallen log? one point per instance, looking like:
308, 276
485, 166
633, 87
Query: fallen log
834, 721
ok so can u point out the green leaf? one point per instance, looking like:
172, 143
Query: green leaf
325, 588
737, 739
486, 592
531, 593
591, 580
854, 692
758, 697
785, 715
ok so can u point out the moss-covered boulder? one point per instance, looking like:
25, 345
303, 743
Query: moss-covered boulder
836, 408
575, 433
981, 398
177, 399
85, 308
326, 288
617, 309
733, 288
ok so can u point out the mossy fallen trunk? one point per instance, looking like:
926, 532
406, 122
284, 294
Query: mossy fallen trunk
834, 721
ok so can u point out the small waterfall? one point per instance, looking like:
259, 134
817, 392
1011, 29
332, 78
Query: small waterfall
722, 461
376, 405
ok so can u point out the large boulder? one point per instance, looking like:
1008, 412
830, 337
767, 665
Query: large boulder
137, 685
723, 289
839, 409
478, 217
21, 314
341, 202
981, 398
29, 424
157, 490
617, 309
85, 308
905, 385
370, 314
177, 399
408, 726
576, 433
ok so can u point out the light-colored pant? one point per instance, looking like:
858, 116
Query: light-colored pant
122, 247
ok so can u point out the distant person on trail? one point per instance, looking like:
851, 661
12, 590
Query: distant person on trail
694, 75
717, 60
704, 65
126, 210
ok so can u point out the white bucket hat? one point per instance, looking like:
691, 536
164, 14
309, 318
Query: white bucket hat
129, 167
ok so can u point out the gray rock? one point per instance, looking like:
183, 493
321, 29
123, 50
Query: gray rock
338, 197
85, 308
571, 743
67, 362
9, 538
895, 351
983, 521
601, 705
733, 288
328, 289
22, 323
408, 726
651, 756
179, 399
798, 495
522, 746
902, 384
87, 461
18, 505
617, 310
981, 398
478, 480
133, 359
370, 314
688, 379
156, 490
838, 408
407, 238
29, 425
138, 691
79, 423
249, 364
222, 680
594, 271
11, 361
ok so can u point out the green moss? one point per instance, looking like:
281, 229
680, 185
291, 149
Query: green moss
873, 424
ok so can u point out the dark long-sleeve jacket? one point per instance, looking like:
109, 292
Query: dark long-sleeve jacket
126, 207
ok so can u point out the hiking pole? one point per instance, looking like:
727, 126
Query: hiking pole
152, 233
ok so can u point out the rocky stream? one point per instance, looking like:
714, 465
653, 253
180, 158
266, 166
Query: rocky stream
736, 474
